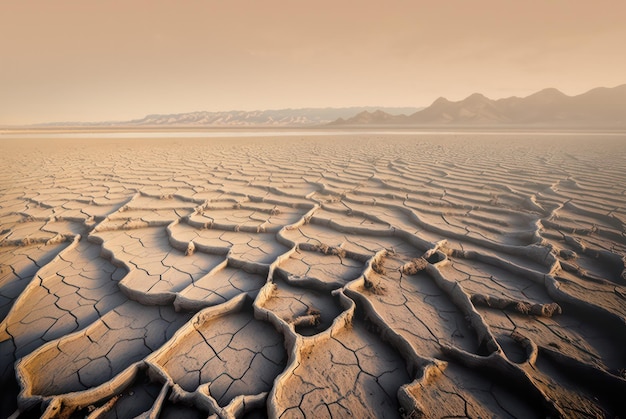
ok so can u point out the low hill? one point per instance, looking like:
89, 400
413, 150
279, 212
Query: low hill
303, 117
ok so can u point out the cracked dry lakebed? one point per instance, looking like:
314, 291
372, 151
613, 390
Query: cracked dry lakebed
333, 275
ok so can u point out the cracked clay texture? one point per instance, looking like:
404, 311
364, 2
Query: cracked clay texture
361, 275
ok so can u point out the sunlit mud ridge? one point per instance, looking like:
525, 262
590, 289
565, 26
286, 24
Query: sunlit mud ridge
371, 276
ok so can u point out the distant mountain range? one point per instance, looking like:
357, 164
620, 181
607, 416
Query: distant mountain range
605, 107
601, 108
304, 117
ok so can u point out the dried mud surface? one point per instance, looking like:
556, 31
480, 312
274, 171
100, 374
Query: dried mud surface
366, 275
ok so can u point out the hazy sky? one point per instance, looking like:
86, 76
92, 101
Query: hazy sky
89, 60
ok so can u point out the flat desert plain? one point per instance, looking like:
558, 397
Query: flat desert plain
363, 275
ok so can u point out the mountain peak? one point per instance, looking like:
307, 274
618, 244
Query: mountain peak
441, 101
476, 99
549, 92
375, 117
476, 96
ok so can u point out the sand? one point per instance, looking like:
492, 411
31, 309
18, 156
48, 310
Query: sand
365, 275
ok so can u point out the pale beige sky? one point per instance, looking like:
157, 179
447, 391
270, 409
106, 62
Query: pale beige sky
87, 60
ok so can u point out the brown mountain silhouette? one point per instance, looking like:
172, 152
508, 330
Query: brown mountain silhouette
598, 107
